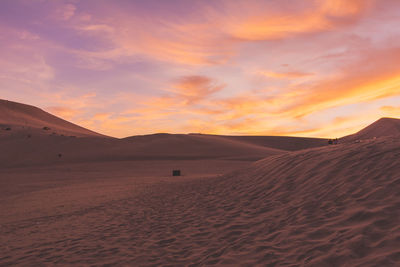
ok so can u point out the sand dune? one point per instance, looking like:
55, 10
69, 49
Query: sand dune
331, 206
205, 146
96, 200
380, 128
288, 143
28, 143
32, 120
55, 149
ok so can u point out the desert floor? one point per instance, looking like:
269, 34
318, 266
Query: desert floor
328, 206
47, 204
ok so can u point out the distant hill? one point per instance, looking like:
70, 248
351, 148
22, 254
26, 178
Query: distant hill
198, 146
380, 128
49, 149
288, 143
32, 136
22, 117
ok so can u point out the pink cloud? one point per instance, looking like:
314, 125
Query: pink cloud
64, 112
286, 75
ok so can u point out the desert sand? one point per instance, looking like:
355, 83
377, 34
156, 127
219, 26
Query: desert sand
242, 201
380, 128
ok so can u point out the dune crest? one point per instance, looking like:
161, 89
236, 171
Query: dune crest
30, 119
380, 128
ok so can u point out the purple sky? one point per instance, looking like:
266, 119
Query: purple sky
304, 68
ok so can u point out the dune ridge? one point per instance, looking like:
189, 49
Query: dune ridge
26, 117
288, 143
35, 137
55, 149
380, 128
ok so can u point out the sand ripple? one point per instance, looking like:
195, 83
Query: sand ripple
332, 206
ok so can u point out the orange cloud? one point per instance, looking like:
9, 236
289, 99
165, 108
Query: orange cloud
189, 92
335, 93
319, 16
286, 75
391, 111
212, 35
189, 43
101, 116
63, 112
195, 88
374, 76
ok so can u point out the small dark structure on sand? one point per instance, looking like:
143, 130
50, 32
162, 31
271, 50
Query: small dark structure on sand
176, 173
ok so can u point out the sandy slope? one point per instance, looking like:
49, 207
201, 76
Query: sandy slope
381, 127
46, 149
288, 143
331, 206
30, 119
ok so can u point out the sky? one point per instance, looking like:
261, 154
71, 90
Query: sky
318, 68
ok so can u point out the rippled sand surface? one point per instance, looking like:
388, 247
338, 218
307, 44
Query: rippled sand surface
330, 206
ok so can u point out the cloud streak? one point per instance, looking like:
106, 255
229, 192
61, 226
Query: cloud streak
227, 67
310, 17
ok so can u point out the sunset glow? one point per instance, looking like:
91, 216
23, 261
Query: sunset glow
319, 68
